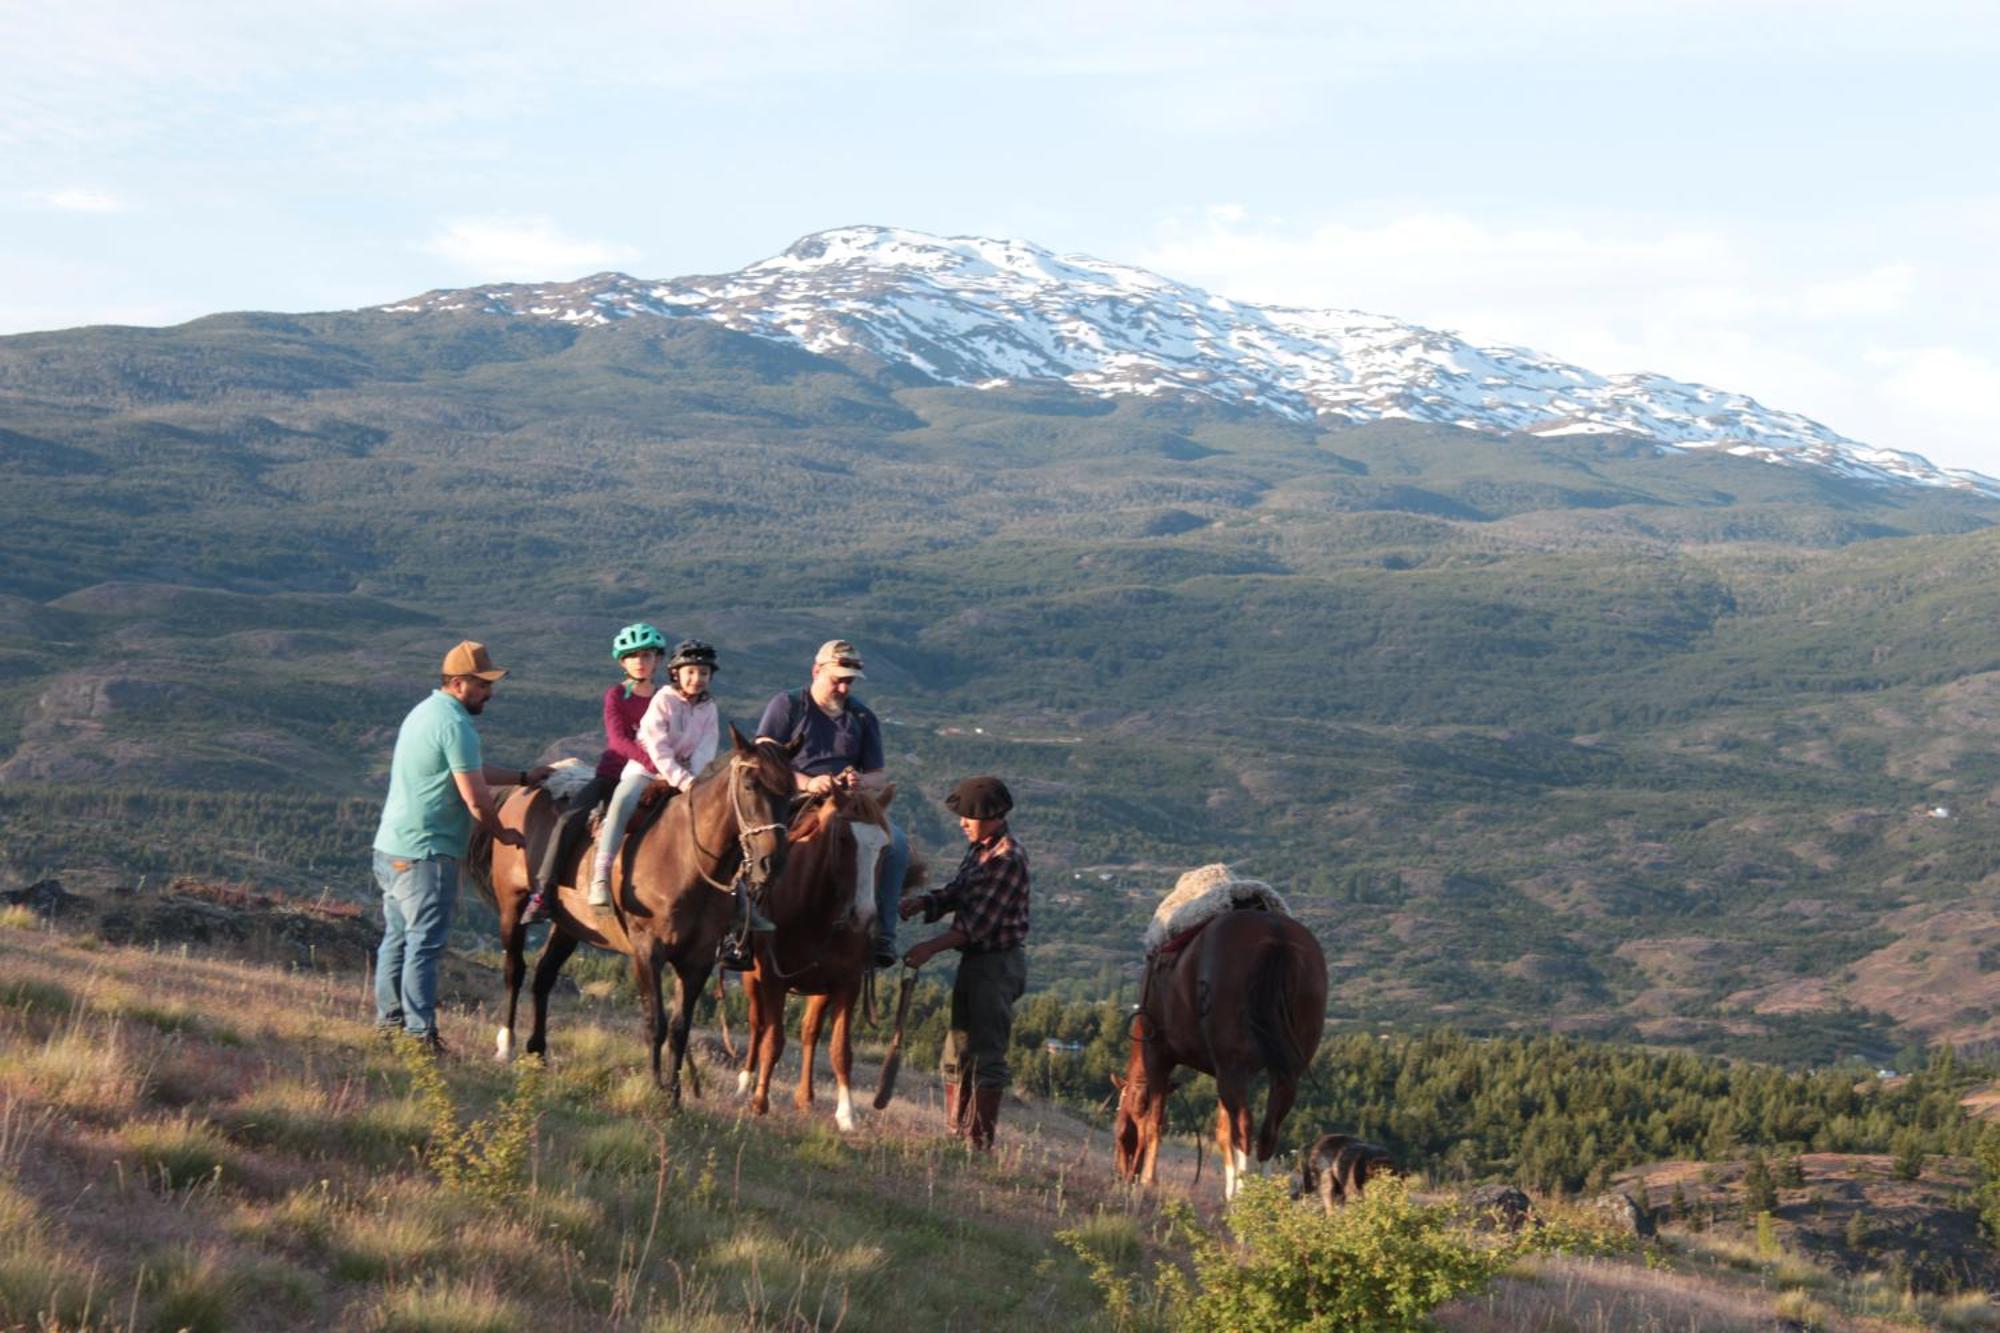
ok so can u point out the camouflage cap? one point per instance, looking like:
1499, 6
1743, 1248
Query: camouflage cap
839, 659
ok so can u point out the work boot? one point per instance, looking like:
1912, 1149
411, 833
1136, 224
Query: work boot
956, 1108
985, 1111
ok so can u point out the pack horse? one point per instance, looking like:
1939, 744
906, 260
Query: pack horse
1235, 986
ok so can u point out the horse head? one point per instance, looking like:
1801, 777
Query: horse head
760, 790
1141, 1116
1126, 1134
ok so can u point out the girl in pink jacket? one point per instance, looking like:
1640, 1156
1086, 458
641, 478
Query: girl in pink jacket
681, 729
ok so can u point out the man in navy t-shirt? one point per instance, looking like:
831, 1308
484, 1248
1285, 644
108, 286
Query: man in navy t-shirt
840, 746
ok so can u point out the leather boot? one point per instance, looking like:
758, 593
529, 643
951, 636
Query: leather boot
957, 1109
985, 1111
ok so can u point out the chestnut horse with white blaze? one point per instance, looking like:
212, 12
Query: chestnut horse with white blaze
671, 895
823, 908
1246, 995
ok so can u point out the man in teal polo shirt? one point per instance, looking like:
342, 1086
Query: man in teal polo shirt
438, 785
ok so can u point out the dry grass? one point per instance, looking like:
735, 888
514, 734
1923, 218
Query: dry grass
238, 1140
184, 1140
82, 1067
440, 1305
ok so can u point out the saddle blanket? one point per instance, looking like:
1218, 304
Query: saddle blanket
1201, 895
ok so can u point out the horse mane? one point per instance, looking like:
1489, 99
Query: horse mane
812, 819
816, 815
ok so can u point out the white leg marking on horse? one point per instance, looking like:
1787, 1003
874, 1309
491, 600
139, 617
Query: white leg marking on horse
843, 1112
503, 1050
869, 840
1229, 1177
743, 1083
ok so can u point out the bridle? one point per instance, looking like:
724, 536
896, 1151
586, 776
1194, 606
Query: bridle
744, 832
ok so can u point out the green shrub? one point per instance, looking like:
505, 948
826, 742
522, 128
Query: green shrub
487, 1157
1384, 1262
1908, 1163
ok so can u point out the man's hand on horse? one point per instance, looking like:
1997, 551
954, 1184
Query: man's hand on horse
908, 908
539, 774
920, 954
822, 785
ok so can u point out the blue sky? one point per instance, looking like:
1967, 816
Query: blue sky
1788, 198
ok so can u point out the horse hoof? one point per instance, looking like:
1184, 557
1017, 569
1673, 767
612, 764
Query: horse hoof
503, 1049
743, 1083
845, 1119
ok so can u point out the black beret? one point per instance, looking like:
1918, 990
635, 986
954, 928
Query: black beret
980, 798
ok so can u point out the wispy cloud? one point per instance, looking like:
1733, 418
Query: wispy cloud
1877, 292
78, 199
526, 249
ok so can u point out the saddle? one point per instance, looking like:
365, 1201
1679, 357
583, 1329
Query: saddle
652, 806
1198, 898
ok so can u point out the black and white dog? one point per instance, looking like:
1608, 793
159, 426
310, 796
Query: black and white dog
1337, 1167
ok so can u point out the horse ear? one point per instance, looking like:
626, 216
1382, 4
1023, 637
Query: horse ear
792, 746
1118, 1082
888, 795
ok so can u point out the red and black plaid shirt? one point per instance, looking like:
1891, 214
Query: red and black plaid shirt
988, 897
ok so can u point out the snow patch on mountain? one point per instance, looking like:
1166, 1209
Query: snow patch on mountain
974, 311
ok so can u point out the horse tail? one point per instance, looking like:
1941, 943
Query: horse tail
1270, 1007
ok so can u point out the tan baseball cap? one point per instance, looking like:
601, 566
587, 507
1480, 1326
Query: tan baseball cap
471, 659
839, 659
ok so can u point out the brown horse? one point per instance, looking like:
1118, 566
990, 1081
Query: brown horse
822, 948
672, 903
1247, 994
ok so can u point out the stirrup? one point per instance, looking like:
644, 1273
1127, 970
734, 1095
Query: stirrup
731, 956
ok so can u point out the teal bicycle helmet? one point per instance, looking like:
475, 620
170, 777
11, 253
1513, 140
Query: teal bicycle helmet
637, 638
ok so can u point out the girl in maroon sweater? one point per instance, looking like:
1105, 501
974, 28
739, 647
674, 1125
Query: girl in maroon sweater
638, 649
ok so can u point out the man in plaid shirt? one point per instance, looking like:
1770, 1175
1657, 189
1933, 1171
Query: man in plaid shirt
988, 900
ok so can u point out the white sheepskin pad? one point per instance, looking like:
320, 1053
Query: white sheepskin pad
570, 777
1205, 892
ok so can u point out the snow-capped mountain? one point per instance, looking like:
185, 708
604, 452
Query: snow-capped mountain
967, 310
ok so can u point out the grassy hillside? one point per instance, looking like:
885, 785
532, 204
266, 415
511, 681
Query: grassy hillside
1536, 732
194, 1139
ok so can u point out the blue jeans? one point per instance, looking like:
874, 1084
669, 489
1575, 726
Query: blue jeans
624, 801
417, 897
889, 872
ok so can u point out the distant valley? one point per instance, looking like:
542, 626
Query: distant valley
1559, 730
